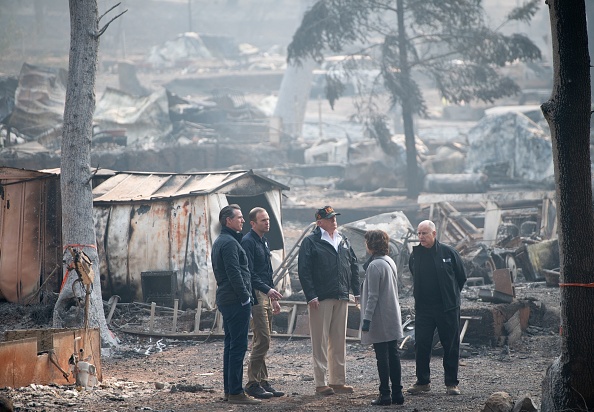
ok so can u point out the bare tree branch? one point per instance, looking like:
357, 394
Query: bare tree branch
102, 30
100, 17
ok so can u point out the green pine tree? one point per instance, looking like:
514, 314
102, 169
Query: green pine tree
448, 41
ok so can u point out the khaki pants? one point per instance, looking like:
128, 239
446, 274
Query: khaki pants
327, 326
261, 324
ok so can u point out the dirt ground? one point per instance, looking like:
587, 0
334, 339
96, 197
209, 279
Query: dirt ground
191, 371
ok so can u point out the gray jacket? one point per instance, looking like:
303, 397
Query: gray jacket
379, 302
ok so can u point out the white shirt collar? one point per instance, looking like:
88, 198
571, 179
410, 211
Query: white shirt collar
333, 241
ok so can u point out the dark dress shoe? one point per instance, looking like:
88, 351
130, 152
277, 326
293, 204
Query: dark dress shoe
382, 400
258, 392
266, 386
397, 398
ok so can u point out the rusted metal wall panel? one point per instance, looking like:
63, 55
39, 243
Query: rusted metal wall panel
214, 203
68, 342
195, 283
148, 244
16, 361
134, 238
30, 232
20, 262
22, 366
101, 219
117, 278
51, 241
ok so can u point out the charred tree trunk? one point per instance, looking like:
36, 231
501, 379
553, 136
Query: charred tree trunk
412, 181
78, 229
569, 382
294, 91
293, 96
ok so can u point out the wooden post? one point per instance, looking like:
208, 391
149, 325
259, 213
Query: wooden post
114, 303
152, 320
292, 320
175, 305
197, 317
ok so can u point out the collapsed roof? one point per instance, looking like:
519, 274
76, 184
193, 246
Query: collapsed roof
39, 100
510, 146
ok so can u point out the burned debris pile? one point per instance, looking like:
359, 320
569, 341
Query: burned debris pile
130, 121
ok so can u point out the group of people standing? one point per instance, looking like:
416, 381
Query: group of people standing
328, 271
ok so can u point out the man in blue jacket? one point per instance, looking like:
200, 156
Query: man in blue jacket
328, 270
438, 277
256, 246
234, 300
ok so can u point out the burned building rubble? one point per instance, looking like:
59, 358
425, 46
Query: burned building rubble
133, 123
499, 230
510, 147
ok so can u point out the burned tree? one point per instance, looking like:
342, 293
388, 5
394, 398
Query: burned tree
78, 229
445, 40
294, 92
569, 382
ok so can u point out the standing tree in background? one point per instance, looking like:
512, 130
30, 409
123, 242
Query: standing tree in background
294, 91
78, 228
448, 41
569, 382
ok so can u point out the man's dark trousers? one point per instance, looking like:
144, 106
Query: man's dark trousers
448, 328
236, 323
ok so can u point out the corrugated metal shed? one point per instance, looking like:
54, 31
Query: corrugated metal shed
164, 222
30, 232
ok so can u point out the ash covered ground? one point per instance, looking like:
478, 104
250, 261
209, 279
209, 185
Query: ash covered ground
191, 370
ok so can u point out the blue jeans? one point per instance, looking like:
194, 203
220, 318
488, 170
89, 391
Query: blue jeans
236, 323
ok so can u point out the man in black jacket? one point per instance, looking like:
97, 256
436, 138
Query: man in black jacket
256, 246
234, 300
438, 277
328, 271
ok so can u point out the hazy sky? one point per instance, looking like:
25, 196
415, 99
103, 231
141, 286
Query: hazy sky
263, 23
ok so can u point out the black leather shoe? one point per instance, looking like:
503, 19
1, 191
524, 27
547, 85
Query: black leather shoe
397, 398
257, 391
382, 400
266, 386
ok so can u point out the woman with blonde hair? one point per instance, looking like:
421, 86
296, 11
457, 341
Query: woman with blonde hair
381, 322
